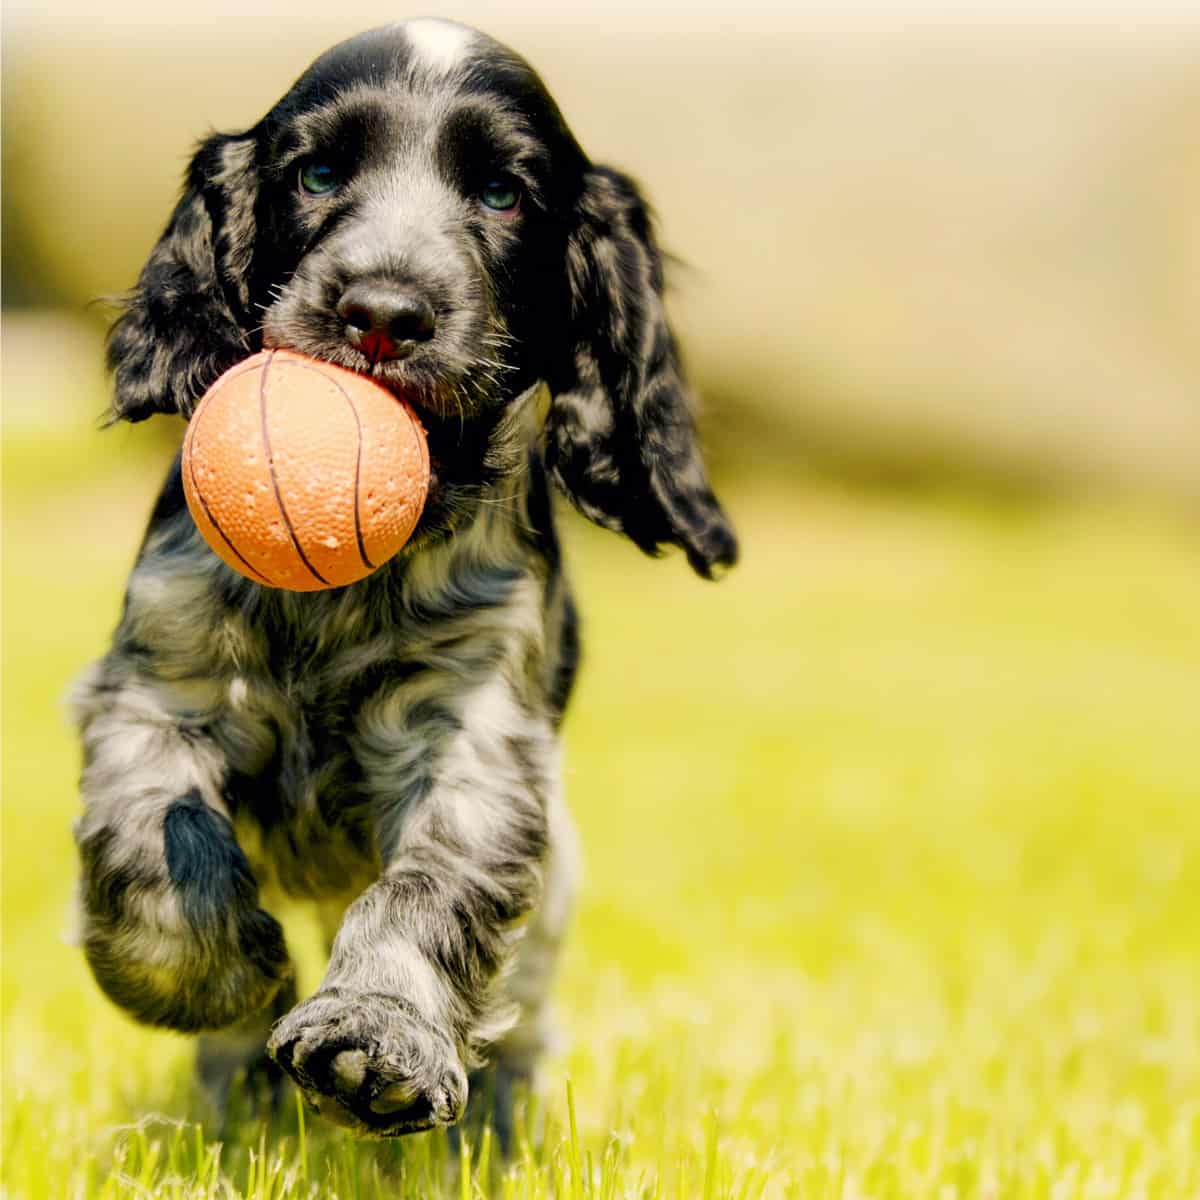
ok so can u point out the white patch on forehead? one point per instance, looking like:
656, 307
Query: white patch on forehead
441, 44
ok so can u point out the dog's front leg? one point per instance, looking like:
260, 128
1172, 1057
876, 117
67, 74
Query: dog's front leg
409, 999
171, 923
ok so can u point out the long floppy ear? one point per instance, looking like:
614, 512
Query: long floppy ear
187, 320
620, 439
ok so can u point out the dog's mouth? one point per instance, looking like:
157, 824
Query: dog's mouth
459, 410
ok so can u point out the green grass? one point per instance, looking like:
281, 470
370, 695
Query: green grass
892, 886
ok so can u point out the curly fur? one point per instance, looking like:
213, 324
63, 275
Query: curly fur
388, 749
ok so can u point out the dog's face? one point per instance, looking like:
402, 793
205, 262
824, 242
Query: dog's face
415, 186
415, 208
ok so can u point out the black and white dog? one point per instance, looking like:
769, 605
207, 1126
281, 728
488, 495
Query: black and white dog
416, 209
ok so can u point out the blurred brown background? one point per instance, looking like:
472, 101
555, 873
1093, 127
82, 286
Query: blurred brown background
921, 245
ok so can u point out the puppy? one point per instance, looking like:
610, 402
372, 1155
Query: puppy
416, 209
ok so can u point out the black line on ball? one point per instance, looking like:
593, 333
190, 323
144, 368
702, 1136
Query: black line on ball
216, 524
362, 549
262, 411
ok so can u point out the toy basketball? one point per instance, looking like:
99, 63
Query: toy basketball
303, 475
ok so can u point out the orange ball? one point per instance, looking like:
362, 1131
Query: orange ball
303, 475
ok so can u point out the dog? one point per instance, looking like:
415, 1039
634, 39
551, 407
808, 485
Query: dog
414, 208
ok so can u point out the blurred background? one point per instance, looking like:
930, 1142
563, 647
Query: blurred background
893, 839
920, 241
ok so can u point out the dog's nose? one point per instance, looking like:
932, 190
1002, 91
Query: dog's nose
385, 322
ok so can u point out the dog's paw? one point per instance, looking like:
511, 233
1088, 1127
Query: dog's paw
371, 1063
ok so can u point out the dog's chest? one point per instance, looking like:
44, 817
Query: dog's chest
298, 786
319, 730
331, 708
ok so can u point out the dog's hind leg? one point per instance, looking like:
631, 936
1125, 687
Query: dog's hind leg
233, 1069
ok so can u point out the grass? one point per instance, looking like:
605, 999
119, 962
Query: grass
892, 884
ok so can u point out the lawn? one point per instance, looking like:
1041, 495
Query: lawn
892, 850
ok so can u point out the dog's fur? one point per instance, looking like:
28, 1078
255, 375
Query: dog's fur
389, 749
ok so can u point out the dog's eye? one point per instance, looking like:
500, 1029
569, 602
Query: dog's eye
319, 179
501, 194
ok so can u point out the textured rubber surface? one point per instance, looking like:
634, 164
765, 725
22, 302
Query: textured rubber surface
303, 475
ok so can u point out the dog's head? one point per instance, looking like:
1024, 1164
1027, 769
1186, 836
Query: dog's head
415, 208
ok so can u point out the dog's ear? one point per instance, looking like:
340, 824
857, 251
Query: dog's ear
187, 320
620, 439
